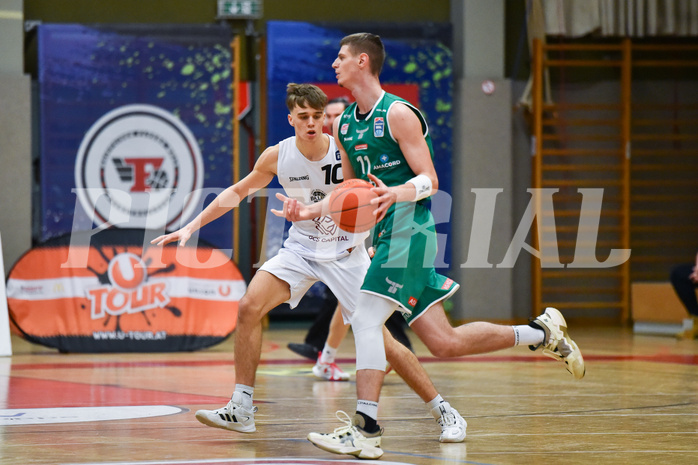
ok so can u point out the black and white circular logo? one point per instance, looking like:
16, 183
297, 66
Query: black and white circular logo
317, 195
139, 166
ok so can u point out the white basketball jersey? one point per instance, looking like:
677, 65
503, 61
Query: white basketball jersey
309, 182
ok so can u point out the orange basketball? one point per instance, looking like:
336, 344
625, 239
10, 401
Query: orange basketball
350, 206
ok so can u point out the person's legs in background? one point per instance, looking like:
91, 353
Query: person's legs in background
319, 331
396, 325
325, 366
686, 290
328, 331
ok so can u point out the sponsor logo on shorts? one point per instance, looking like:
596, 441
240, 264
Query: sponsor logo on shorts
412, 302
378, 126
447, 284
393, 286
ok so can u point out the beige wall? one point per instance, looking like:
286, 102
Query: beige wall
15, 136
15, 166
482, 160
11, 37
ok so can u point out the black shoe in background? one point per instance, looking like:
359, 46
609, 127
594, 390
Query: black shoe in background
304, 350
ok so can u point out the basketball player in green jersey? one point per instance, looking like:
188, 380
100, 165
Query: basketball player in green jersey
386, 140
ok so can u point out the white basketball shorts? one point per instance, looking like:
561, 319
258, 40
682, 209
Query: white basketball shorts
343, 276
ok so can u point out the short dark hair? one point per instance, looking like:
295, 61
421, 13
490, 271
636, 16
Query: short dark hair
343, 100
305, 95
370, 44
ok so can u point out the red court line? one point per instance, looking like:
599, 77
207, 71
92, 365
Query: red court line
657, 358
38, 393
96, 365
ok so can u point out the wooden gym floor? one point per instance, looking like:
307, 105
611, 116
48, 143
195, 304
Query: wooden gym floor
638, 404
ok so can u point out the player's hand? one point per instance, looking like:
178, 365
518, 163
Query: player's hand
292, 210
386, 197
181, 236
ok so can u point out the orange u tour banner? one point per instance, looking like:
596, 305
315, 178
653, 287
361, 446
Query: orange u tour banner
113, 292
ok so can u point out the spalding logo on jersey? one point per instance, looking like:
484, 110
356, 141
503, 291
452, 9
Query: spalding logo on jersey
139, 166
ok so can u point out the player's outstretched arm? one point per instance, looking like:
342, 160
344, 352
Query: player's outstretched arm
293, 210
260, 177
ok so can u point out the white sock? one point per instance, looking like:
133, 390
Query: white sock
528, 335
328, 354
368, 408
435, 401
438, 407
246, 394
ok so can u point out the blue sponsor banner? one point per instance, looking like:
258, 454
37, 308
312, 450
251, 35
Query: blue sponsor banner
418, 67
135, 126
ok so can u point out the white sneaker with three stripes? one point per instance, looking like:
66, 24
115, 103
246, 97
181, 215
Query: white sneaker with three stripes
233, 417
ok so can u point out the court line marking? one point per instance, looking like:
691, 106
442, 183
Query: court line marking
657, 358
64, 415
250, 461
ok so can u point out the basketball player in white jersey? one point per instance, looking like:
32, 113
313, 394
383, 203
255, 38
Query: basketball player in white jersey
308, 166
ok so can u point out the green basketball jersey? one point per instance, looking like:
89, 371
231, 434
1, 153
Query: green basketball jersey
402, 269
370, 145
